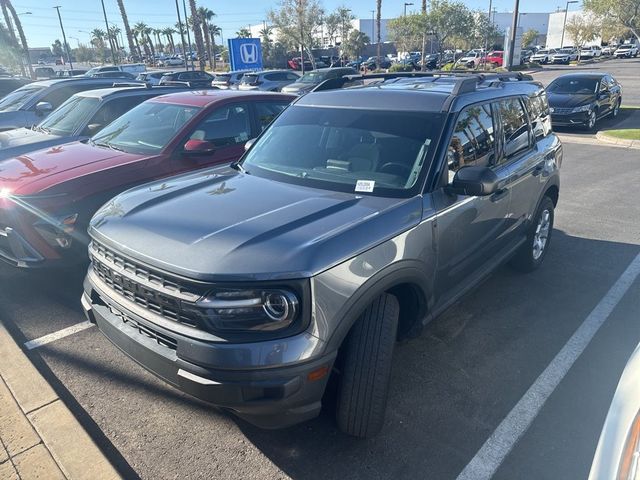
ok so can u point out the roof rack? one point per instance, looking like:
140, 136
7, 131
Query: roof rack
131, 84
465, 81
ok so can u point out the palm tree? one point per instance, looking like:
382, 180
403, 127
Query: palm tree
114, 31
139, 34
214, 31
157, 32
127, 29
97, 40
243, 33
146, 32
378, 21
7, 22
18, 24
206, 15
197, 32
168, 33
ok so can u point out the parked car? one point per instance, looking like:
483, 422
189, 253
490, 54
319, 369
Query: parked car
267, 80
171, 62
133, 68
543, 56
64, 185
590, 52
153, 77
314, 78
432, 61
581, 99
609, 49
29, 105
80, 117
495, 58
525, 56
114, 74
618, 449
42, 73
9, 84
296, 64
626, 50
191, 78
565, 56
372, 64
227, 80
70, 73
250, 279
471, 59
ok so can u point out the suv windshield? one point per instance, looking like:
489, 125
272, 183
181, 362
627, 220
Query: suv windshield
313, 77
145, 129
67, 118
15, 100
347, 149
583, 86
249, 78
222, 78
624, 47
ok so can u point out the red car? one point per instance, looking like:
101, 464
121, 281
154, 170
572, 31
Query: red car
47, 197
495, 58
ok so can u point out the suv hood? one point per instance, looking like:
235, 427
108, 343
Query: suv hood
32, 173
220, 225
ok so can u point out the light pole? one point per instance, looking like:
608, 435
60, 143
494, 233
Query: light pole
342, 38
564, 23
186, 25
106, 23
405, 7
64, 37
184, 53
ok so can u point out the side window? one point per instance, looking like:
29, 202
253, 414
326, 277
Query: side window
185, 76
60, 95
292, 76
515, 127
111, 110
604, 86
225, 126
272, 77
267, 111
473, 140
539, 114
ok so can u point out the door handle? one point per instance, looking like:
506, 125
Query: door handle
499, 194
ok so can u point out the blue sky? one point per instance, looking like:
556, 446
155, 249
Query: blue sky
79, 17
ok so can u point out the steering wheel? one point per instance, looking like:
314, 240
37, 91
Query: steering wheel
393, 167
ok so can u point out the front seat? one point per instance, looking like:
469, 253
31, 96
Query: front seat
364, 156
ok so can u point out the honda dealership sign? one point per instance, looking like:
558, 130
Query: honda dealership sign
245, 54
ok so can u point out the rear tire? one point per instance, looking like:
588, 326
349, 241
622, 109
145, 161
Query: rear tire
532, 252
364, 382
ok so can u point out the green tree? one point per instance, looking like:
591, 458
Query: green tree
7, 5
214, 31
206, 15
407, 31
355, 43
127, 29
529, 37
296, 22
168, 33
448, 20
243, 33
97, 40
266, 42
84, 54
56, 48
344, 16
332, 27
582, 29
197, 32
626, 13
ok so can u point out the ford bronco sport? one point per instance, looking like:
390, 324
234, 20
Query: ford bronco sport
250, 286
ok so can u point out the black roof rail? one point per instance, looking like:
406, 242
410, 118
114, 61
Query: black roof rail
465, 81
131, 84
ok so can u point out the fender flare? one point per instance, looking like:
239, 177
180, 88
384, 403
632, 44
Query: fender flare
407, 271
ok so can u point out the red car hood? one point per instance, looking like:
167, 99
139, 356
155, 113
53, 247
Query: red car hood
39, 170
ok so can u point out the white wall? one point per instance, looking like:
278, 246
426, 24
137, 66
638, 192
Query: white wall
554, 33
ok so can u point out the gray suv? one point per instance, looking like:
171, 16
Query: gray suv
267, 81
252, 286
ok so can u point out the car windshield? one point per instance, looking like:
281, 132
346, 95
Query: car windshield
347, 149
222, 78
16, 99
574, 85
145, 129
313, 77
70, 116
249, 79
624, 47
542, 52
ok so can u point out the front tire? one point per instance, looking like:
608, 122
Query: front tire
532, 252
616, 109
364, 382
590, 124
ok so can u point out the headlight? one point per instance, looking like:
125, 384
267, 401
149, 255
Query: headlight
249, 309
583, 108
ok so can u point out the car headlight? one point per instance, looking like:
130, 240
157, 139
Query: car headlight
583, 108
250, 309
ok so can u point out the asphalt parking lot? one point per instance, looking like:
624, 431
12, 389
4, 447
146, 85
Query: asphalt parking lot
451, 388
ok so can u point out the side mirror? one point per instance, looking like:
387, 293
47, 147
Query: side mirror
475, 181
195, 146
249, 143
43, 108
94, 127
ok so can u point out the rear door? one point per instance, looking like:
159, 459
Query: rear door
605, 100
470, 230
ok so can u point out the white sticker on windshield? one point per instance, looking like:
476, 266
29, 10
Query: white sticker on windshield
365, 185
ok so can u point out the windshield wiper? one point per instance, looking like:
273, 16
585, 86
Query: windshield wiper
238, 166
108, 145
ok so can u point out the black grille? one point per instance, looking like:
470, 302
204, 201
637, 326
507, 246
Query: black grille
147, 288
562, 111
160, 338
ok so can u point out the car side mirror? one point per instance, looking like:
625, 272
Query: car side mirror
43, 108
196, 147
249, 143
94, 127
474, 181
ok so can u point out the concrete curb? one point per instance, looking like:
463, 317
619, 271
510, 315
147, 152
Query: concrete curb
39, 436
621, 142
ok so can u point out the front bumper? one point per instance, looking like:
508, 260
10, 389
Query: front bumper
17, 251
256, 381
569, 119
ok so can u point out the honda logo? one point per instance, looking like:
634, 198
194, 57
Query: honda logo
249, 53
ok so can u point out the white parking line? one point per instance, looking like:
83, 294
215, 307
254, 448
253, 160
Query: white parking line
52, 337
491, 455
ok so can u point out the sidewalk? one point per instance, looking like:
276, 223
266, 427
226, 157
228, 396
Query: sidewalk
39, 436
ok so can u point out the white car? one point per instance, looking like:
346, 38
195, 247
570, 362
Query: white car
543, 56
627, 50
590, 52
471, 59
172, 62
564, 55
609, 49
